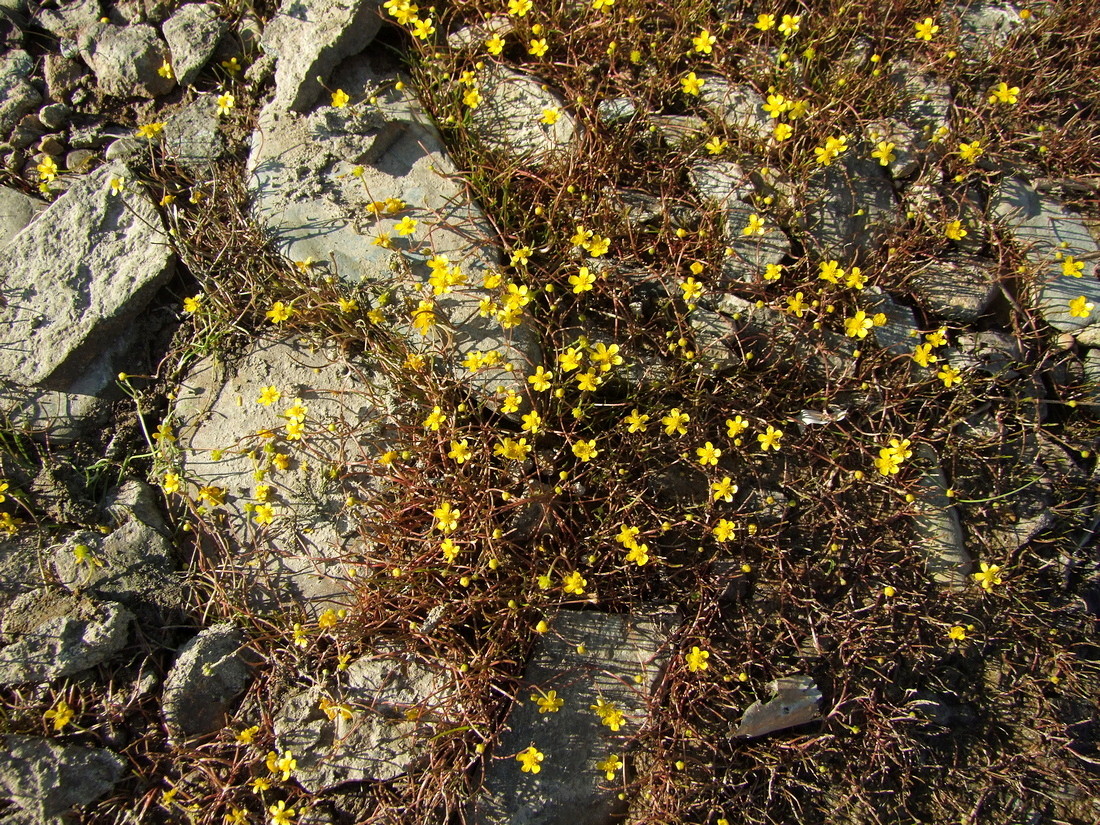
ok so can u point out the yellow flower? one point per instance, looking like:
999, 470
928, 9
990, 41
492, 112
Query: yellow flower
1071, 267
923, 355
609, 766
519, 8
675, 422
636, 422
263, 513
858, 325
532, 422
435, 419
340, 98
609, 714
925, 28
600, 5
704, 41
550, 116
735, 426
61, 714
212, 495
423, 29
764, 22
510, 403
856, 279
406, 226
541, 379
165, 70
954, 231
770, 438
716, 145
585, 450
723, 490
582, 281
149, 130
691, 84
47, 169
460, 451
171, 483
697, 659
279, 312
446, 517
1003, 93
989, 577
225, 103
970, 152
574, 583
118, 185
723, 530
529, 759
513, 450
756, 226
639, 554
708, 454
1080, 307
281, 814
691, 288
449, 550
788, 26
4, 489
246, 736
538, 47
782, 132
796, 305
957, 633
581, 237
269, 395
549, 703
884, 153
494, 45
776, 105
598, 246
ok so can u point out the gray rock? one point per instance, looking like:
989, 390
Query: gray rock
623, 662
192, 138
78, 275
926, 103
849, 207
52, 145
903, 136
193, 33
615, 111
1092, 374
984, 25
937, 524
63, 76
21, 567
136, 561
739, 106
26, 132
48, 779
69, 17
16, 211
124, 148
774, 338
17, 96
54, 115
58, 635
795, 701
395, 704
900, 332
304, 192
208, 676
1047, 232
79, 160
309, 38
509, 118
956, 291
474, 36
295, 559
679, 131
126, 59
720, 182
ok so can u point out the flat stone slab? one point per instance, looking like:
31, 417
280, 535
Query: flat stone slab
313, 180
1049, 233
76, 276
959, 291
848, 208
509, 118
308, 38
47, 779
209, 673
623, 662
739, 106
229, 441
56, 635
939, 529
392, 705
